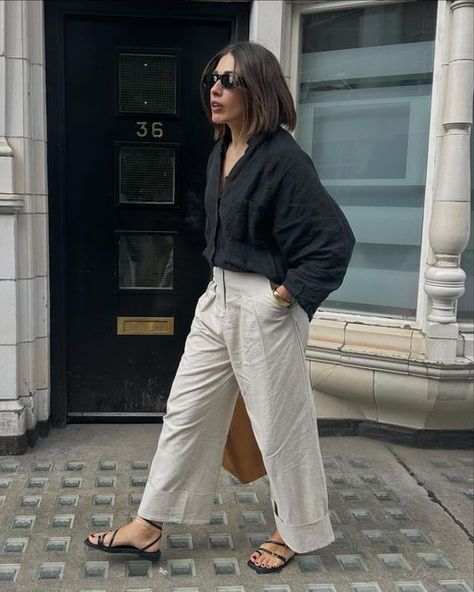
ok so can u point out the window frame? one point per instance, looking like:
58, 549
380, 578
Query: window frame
303, 7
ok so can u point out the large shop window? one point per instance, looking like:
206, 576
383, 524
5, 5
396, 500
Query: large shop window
365, 78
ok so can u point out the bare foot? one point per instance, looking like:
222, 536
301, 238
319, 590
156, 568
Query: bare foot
138, 534
263, 559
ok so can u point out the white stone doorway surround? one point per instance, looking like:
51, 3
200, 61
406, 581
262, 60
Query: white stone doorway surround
24, 298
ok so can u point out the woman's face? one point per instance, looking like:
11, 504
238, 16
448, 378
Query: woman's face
226, 104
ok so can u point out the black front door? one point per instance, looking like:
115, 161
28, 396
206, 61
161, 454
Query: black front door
136, 147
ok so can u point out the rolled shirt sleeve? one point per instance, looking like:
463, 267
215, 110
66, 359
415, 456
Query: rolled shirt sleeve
311, 232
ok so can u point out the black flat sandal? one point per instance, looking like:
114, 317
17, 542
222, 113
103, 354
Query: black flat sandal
285, 560
152, 556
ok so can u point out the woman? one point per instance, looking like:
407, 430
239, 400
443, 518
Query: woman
278, 244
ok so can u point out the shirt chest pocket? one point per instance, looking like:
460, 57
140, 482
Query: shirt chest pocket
243, 222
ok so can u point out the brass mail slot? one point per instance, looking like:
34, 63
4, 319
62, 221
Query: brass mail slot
145, 325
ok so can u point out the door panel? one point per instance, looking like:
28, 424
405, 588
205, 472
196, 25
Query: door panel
137, 143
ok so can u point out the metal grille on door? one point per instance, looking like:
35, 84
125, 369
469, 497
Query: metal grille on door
147, 174
141, 76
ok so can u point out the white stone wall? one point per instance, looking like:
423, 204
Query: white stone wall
24, 317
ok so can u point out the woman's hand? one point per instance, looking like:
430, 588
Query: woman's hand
283, 292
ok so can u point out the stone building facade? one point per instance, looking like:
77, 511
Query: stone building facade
392, 352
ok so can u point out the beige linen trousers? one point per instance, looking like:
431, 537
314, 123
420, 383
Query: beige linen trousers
241, 338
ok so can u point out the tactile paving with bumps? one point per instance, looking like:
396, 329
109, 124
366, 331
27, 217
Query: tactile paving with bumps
389, 535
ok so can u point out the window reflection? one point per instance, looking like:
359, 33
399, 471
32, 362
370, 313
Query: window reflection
146, 261
365, 81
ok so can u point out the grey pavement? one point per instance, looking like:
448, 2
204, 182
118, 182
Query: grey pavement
403, 519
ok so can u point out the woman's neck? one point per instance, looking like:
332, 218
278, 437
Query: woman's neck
237, 141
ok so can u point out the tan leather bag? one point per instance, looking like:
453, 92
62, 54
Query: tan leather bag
242, 456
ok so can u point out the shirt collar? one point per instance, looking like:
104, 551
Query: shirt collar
252, 142
256, 140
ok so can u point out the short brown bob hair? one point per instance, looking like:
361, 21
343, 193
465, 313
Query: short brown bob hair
266, 97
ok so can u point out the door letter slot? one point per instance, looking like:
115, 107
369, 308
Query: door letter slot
145, 325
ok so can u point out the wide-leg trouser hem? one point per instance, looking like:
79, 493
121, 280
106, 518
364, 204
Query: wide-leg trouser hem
165, 521
181, 506
306, 537
186, 507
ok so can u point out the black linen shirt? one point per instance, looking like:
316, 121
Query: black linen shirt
277, 219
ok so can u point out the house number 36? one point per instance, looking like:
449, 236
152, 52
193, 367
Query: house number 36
145, 128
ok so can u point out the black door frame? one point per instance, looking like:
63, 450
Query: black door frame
235, 14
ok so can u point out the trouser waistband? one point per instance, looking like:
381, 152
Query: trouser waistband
236, 281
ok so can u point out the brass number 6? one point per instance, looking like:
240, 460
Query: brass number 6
144, 129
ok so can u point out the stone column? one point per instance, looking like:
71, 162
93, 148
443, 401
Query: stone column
12, 416
270, 25
24, 341
449, 227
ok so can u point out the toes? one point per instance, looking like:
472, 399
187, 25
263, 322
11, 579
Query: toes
263, 562
254, 558
96, 535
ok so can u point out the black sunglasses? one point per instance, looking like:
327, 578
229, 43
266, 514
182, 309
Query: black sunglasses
228, 80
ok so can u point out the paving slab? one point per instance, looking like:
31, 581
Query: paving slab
402, 518
447, 476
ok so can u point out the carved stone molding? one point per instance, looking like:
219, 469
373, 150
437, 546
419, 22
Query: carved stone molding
461, 3
440, 399
5, 148
444, 285
10, 203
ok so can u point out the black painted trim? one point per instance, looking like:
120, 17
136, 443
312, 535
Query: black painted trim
114, 419
14, 445
445, 439
56, 158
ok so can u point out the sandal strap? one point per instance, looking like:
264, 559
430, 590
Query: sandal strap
149, 523
101, 538
151, 544
284, 559
277, 543
112, 538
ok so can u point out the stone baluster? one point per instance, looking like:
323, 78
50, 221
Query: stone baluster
449, 226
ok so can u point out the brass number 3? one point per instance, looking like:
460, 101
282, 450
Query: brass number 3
144, 129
